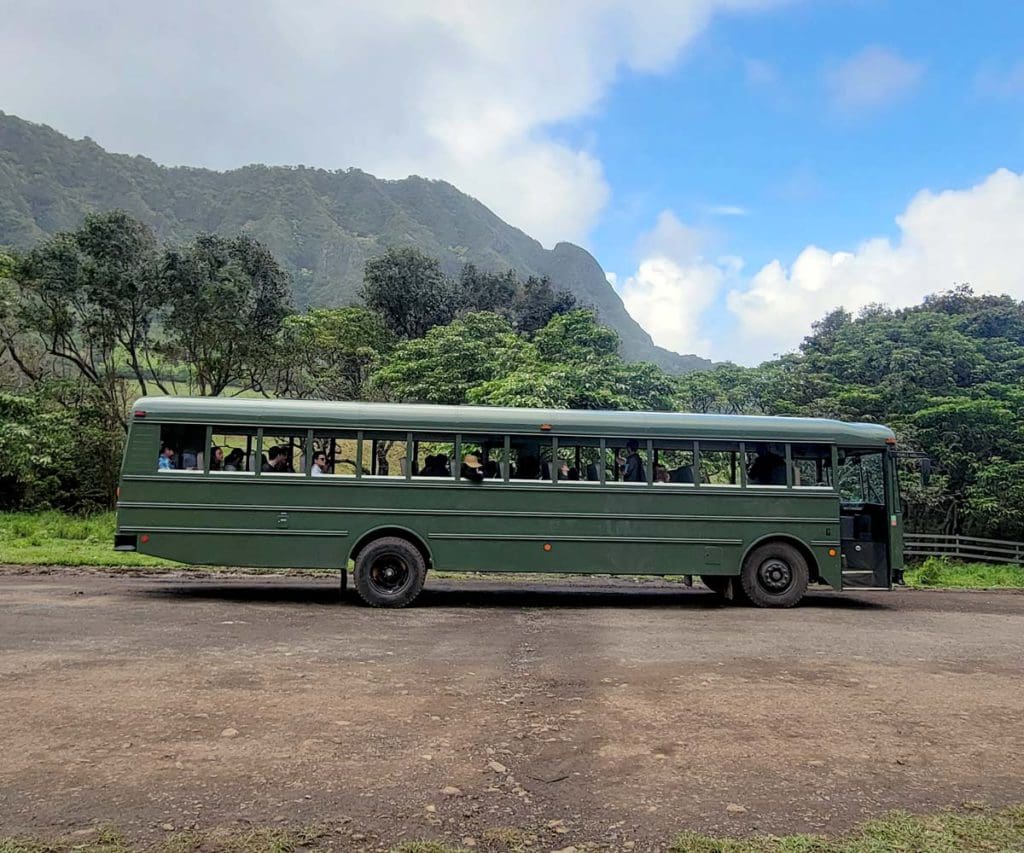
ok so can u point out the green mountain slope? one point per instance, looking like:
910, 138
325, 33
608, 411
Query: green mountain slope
321, 225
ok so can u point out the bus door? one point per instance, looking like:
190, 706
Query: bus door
864, 518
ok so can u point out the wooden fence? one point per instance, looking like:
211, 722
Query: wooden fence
962, 548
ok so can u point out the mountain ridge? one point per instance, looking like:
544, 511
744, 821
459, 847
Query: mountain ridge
321, 225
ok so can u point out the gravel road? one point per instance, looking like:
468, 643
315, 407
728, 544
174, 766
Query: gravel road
605, 712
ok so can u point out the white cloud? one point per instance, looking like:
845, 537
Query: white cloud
462, 91
974, 235
673, 286
872, 78
727, 210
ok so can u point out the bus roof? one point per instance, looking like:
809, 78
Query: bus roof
234, 411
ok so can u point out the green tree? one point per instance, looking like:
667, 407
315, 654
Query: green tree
330, 353
537, 302
410, 291
227, 299
487, 291
575, 336
573, 364
58, 449
448, 361
89, 299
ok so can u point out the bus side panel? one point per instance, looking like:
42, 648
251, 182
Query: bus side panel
274, 521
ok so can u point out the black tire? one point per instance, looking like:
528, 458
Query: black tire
718, 584
389, 572
774, 575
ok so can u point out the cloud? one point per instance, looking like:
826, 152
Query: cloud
467, 92
673, 285
974, 235
727, 210
872, 78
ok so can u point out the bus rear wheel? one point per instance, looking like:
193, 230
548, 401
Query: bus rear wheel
774, 575
389, 572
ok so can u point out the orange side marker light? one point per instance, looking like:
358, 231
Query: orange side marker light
547, 546
832, 552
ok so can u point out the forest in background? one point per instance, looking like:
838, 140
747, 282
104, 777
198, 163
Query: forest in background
92, 318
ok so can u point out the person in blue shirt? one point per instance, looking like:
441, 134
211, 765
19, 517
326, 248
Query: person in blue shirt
166, 460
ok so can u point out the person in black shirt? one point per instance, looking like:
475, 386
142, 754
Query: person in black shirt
767, 469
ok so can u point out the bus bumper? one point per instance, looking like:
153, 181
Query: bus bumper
125, 542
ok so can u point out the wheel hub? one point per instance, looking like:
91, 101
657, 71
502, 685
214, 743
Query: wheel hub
389, 575
775, 575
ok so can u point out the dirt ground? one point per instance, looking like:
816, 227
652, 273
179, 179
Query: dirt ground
592, 712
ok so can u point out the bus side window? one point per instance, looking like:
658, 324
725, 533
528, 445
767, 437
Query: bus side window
488, 452
181, 448
432, 455
625, 460
388, 455
766, 463
283, 452
812, 466
341, 451
673, 463
525, 458
720, 463
232, 450
579, 460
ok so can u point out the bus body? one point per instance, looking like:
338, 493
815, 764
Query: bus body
512, 490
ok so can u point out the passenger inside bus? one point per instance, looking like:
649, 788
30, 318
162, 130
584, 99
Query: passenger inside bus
768, 469
471, 469
682, 474
435, 466
529, 468
276, 461
216, 458
165, 462
633, 466
235, 460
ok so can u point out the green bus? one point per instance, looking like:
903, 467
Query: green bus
758, 507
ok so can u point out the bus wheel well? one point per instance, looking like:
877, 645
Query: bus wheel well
399, 532
805, 552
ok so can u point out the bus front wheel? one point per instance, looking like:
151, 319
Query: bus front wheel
389, 572
774, 575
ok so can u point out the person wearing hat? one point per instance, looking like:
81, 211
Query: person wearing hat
471, 469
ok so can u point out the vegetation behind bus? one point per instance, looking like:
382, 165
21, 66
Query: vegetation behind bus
945, 374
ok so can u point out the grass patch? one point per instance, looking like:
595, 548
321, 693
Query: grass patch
943, 573
971, 830
945, 832
57, 539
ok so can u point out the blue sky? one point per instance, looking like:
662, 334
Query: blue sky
749, 118
746, 118
739, 167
